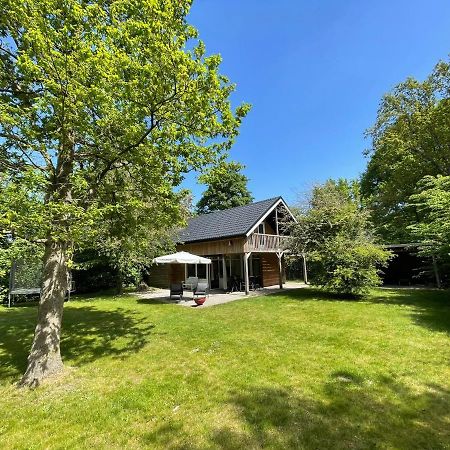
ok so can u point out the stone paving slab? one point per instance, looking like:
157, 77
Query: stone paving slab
216, 297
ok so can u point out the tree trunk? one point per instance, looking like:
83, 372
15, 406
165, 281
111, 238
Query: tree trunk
45, 356
436, 272
119, 282
305, 270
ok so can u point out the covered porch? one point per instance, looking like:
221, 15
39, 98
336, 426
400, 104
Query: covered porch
245, 272
229, 272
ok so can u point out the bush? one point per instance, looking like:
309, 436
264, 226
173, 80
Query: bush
346, 266
335, 233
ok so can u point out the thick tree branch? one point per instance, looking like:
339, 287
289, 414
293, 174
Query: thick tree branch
8, 52
127, 149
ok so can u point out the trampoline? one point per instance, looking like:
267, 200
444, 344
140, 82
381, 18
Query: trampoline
25, 280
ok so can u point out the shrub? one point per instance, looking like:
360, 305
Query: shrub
334, 231
347, 266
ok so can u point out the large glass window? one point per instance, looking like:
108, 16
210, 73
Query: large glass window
256, 266
191, 270
201, 270
234, 266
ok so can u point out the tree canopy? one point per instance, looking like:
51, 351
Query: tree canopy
133, 229
410, 140
432, 229
92, 93
226, 188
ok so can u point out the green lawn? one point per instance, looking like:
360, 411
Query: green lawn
297, 370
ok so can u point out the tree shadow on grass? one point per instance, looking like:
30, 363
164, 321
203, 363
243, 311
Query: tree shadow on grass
429, 308
354, 414
88, 333
315, 293
157, 301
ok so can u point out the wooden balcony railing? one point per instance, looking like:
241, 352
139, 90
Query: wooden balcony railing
257, 242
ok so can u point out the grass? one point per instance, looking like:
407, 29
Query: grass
296, 370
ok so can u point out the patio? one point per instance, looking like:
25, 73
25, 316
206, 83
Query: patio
216, 296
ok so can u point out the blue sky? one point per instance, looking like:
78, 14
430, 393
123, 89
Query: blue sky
315, 72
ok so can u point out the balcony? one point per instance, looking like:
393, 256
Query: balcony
258, 242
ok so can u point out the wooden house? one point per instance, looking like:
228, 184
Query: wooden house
246, 245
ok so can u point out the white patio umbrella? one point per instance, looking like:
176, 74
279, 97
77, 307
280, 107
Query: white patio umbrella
183, 258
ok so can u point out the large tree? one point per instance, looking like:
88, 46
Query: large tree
135, 226
226, 188
89, 89
334, 232
432, 231
410, 140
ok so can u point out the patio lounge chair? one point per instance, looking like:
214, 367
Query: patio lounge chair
201, 289
190, 283
176, 289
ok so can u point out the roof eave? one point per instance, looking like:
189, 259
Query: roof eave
279, 201
222, 238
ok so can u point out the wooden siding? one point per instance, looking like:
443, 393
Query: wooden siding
177, 273
159, 276
269, 268
162, 275
220, 247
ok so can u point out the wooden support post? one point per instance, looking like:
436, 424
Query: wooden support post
280, 268
247, 282
305, 271
224, 273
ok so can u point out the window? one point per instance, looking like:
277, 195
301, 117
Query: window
201, 271
256, 266
262, 228
191, 270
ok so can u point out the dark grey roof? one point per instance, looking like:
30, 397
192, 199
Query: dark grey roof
231, 222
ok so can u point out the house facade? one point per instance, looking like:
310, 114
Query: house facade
246, 245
